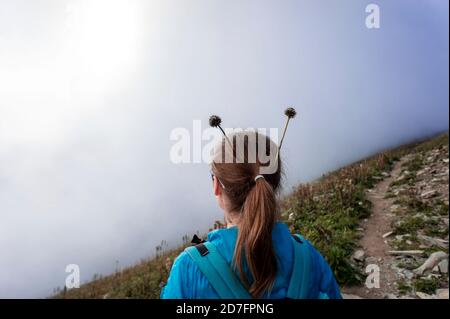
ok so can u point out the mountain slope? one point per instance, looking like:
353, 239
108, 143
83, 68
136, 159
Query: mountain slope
328, 212
407, 234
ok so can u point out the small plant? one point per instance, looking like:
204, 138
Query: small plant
409, 264
409, 225
415, 164
403, 287
442, 207
426, 285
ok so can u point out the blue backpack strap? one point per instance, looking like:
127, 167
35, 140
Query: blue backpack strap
299, 283
217, 271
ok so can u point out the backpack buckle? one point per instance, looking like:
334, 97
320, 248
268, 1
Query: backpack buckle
202, 249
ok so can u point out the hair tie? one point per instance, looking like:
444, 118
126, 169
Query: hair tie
258, 177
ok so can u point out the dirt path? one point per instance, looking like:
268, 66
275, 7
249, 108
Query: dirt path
373, 244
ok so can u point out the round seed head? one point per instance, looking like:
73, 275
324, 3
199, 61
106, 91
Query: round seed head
214, 121
290, 112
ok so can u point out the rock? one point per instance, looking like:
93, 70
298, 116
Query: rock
434, 241
406, 252
442, 294
433, 260
390, 296
445, 160
385, 174
408, 274
433, 276
371, 260
394, 208
359, 255
422, 171
350, 296
435, 269
423, 295
422, 216
429, 194
443, 266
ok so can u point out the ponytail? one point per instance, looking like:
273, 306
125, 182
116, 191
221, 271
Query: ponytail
254, 241
253, 198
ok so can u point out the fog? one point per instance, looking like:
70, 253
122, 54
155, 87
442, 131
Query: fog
90, 92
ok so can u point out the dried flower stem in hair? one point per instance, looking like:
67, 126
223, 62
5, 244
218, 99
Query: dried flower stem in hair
215, 121
290, 113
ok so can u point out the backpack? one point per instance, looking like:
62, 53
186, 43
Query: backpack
227, 285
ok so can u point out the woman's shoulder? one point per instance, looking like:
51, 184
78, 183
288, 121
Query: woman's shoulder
184, 277
183, 262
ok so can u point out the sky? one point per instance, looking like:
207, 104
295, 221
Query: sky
90, 92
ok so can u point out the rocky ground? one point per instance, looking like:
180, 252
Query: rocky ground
405, 240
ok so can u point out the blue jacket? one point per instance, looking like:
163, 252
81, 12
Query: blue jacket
186, 281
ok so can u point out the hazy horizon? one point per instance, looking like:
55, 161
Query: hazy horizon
90, 92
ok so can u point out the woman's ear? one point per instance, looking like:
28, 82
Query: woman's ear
216, 186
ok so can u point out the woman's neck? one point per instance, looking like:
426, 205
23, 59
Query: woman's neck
231, 219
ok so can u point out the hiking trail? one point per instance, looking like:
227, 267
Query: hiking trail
406, 236
373, 246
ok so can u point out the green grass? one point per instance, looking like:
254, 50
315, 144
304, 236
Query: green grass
414, 164
426, 285
140, 281
437, 142
409, 264
413, 225
410, 225
403, 287
330, 223
441, 207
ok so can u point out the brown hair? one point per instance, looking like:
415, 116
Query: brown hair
255, 201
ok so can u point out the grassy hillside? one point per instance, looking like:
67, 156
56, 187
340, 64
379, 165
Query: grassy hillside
327, 212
